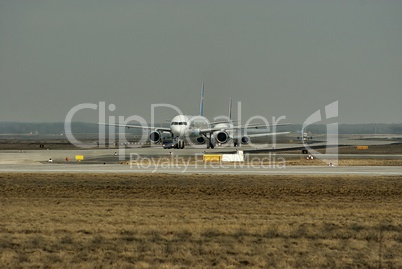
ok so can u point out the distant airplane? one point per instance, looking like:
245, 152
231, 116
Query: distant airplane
198, 128
305, 136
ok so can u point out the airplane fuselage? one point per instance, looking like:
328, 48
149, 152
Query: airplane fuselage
183, 126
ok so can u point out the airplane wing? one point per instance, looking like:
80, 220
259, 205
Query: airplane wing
266, 134
249, 126
214, 129
163, 129
222, 121
210, 130
256, 126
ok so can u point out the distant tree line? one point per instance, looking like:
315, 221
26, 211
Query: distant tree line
45, 128
84, 128
367, 128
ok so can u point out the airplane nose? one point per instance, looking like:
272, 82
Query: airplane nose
181, 130
175, 130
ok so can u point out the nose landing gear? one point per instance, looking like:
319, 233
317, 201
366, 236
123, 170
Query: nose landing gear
180, 144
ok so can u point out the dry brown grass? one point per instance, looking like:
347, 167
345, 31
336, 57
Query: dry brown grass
199, 221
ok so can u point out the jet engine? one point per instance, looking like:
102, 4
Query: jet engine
245, 140
155, 137
222, 137
201, 140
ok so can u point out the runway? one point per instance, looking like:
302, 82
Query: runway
203, 168
108, 155
157, 160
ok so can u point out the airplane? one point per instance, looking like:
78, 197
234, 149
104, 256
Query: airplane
229, 132
305, 136
195, 128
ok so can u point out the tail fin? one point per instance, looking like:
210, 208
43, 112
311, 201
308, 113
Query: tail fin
230, 109
202, 100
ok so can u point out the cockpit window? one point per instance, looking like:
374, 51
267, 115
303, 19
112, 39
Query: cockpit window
178, 123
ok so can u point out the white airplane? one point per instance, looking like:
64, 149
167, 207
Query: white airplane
195, 128
304, 136
227, 132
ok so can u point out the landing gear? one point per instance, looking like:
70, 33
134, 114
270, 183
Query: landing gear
210, 145
235, 143
180, 144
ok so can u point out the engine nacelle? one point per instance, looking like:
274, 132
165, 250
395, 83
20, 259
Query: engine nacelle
155, 137
201, 140
222, 137
245, 140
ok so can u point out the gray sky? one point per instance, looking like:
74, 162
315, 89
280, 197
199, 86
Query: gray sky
277, 57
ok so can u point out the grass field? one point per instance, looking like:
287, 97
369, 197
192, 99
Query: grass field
199, 221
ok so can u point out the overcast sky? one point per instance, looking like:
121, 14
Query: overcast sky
278, 58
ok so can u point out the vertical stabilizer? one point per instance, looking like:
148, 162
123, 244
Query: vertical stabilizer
230, 109
202, 100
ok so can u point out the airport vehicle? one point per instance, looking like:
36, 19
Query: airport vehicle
198, 129
169, 145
